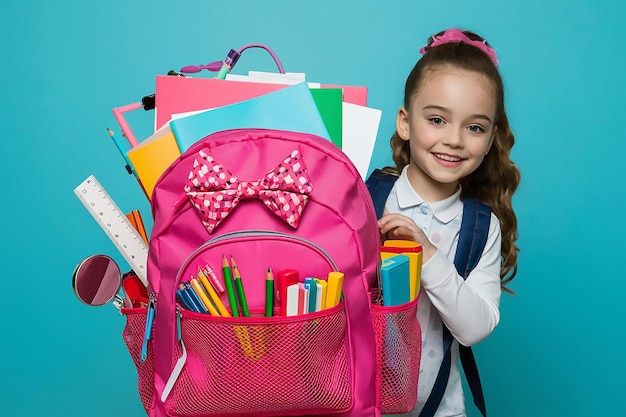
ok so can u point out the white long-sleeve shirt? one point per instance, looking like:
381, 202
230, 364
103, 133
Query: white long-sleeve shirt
470, 308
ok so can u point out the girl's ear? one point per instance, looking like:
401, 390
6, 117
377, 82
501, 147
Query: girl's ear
402, 124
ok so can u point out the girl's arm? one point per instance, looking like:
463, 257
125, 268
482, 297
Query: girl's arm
469, 308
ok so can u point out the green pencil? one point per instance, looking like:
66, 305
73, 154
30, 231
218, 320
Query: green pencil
228, 283
269, 293
240, 292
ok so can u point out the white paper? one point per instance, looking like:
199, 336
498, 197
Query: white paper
359, 130
288, 78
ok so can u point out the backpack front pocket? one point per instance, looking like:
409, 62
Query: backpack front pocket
257, 365
263, 366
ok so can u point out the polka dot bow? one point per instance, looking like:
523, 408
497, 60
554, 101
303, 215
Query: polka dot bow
214, 191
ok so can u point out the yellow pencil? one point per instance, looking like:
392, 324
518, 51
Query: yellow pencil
203, 297
204, 280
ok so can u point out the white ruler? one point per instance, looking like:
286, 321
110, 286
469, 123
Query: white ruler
115, 224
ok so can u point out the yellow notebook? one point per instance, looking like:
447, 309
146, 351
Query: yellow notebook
153, 156
414, 251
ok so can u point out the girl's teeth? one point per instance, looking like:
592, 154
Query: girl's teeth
448, 158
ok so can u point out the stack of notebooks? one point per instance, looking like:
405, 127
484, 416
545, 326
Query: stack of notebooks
189, 109
400, 271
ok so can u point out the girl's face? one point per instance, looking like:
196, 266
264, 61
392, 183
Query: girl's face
450, 128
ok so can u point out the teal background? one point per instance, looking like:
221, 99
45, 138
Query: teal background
558, 350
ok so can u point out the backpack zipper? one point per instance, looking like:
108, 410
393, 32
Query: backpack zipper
149, 322
251, 234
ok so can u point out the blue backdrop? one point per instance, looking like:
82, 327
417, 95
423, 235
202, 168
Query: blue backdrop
66, 64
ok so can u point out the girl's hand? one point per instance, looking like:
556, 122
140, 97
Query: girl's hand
398, 226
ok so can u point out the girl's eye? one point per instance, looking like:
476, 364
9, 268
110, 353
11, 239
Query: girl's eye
476, 129
436, 120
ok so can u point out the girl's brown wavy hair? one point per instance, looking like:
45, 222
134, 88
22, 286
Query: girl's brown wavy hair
497, 177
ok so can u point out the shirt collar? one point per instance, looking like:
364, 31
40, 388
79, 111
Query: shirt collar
444, 210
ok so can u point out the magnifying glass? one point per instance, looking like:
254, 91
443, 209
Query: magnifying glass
96, 281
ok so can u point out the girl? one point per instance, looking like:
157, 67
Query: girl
453, 139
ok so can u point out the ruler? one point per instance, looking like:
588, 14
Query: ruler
115, 224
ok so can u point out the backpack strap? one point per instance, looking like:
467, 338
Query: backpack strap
472, 241
379, 184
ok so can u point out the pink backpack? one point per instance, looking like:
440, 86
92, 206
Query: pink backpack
331, 362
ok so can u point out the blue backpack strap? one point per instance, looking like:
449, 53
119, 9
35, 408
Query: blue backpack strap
379, 184
473, 235
472, 241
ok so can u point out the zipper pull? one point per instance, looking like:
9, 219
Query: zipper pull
179, 316
149, 321
180, 363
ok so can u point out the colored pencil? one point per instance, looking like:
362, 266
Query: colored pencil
240, 291
269, 293
228, 283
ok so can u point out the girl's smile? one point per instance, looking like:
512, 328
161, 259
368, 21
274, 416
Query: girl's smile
449, 126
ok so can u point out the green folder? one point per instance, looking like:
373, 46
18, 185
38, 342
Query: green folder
329, 104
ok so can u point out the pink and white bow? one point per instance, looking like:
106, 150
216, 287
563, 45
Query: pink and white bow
214, 191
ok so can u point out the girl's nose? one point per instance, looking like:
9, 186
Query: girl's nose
454, 138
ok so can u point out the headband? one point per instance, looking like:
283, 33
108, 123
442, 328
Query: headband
455, 35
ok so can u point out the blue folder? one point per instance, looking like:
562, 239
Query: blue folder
292, 108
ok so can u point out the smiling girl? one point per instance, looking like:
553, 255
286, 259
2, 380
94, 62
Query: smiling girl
453, 141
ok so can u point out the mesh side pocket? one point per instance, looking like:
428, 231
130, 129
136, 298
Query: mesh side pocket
269, 366
398, 355
133, 334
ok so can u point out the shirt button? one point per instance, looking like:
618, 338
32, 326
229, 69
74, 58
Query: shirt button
424, 209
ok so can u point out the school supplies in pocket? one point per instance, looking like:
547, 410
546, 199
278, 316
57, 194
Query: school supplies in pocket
413, 250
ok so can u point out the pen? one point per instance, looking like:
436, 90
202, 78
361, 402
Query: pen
129, 165
120, 148
269, 293
212, 294
228, 64
240, 292
229, 287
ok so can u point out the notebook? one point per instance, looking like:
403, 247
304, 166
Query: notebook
394, 274
291, 108
152, 157
411, 249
